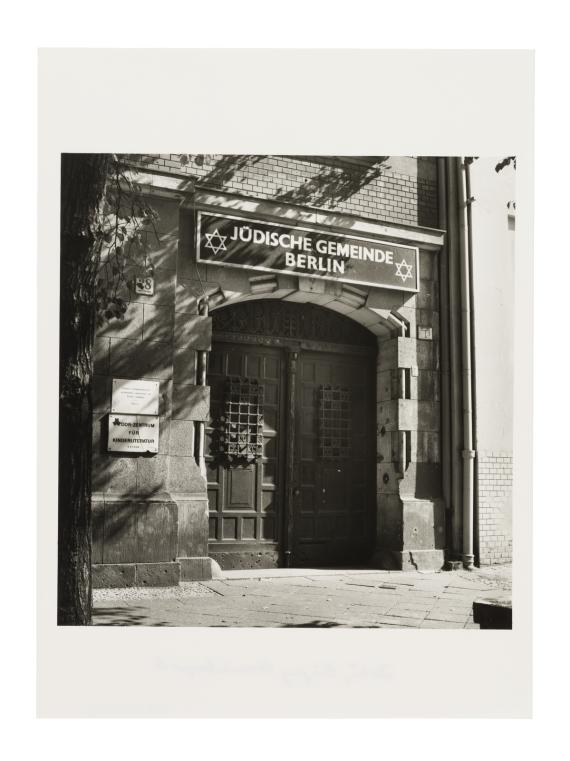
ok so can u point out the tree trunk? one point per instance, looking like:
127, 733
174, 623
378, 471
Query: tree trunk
83, 178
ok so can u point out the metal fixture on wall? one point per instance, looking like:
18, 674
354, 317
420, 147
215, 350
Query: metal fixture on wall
201, 363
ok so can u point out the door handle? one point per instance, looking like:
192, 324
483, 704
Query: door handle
296, 492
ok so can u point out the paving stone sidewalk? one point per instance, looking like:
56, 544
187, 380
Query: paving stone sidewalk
309, 598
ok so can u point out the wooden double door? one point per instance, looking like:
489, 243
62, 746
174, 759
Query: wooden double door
290, 456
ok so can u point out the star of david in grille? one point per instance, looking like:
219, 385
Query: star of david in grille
403, 270
216, 246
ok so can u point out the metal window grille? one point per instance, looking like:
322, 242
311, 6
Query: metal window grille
334, 422
241, 421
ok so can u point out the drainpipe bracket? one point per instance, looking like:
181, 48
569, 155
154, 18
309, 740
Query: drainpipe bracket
204, 306
469, 454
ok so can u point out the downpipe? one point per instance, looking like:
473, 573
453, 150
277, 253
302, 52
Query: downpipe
444, 343
454, 356
469, 201
468, 452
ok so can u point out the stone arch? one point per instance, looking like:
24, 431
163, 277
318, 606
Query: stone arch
274, 321
342, 298
305, 352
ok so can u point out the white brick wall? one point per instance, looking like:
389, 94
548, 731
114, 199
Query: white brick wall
495, 493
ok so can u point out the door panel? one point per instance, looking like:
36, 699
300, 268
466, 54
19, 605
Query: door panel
333, 510
245, 498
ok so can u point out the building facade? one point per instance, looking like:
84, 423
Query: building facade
305, 333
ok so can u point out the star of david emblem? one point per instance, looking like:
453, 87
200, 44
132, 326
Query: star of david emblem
403, 265
216, 246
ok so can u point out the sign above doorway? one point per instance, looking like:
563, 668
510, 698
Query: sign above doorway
232, 241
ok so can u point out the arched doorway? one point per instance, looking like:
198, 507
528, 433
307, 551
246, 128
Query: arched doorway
290, 447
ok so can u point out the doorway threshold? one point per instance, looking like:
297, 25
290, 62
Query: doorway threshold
276, 573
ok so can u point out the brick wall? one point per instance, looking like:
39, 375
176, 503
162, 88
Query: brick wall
395, 189
495, 487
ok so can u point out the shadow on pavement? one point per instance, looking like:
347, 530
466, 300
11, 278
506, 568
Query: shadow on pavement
128, 617
122, 617
327, 625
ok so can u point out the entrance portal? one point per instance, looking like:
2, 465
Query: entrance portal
290, 445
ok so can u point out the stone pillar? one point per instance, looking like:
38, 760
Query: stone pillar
411, 514
190, 408
150, 512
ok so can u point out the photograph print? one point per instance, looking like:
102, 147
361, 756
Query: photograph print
286, 391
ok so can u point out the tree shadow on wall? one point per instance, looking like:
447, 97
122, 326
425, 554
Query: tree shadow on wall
227, 167
336, 182
139, 505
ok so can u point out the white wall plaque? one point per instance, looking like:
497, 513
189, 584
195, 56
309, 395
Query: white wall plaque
136, 397
133, 433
